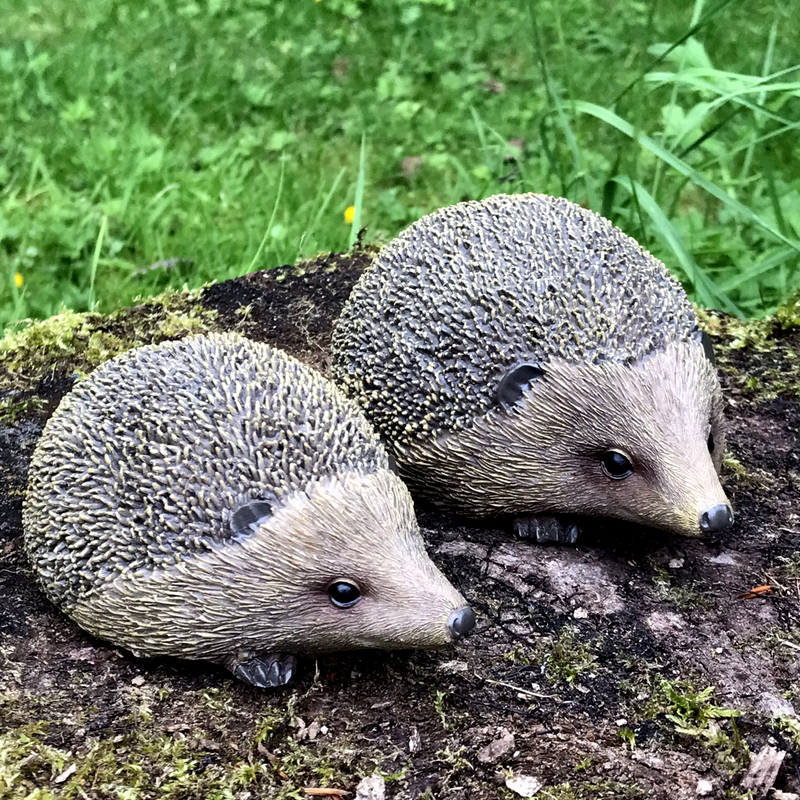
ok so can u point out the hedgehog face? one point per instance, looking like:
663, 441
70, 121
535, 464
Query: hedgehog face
339, 566
644, 443
378, 589
641, 443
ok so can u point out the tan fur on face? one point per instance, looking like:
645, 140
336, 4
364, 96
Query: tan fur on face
544, 455
355, 527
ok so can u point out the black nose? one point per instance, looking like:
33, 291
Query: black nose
461, 622
716, 518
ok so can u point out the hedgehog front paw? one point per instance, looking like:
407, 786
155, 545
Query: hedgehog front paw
264, 671
547, 530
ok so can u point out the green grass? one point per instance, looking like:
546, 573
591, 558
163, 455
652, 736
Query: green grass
147, 143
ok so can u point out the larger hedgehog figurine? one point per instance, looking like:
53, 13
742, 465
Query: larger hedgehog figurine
525, 357
214, 499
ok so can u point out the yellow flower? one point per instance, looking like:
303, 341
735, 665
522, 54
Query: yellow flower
18, 279
349, 214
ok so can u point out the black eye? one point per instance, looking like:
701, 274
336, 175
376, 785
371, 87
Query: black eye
344, 594
616, 465
711, 444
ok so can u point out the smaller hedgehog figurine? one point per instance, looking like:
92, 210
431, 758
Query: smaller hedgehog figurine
524, 357
213, 498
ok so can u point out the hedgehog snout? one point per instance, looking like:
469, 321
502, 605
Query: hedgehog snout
461, 622
717, 518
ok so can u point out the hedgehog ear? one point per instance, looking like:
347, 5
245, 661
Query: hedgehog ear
515, 382
245, 521
704, 340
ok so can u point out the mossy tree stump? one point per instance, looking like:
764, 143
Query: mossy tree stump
587, 670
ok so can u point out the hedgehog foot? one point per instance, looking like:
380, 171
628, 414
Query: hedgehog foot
547, 530
265, 671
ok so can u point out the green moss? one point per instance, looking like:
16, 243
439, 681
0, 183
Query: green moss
454, 760
148, 762
789, 566
788, 315
12, 410
519, 656
682, 596
782, 640
177, 324
592, 790
774, 367
218, 700
566, 657
742, 478
695, 716
77, 343
42, 342
759, 334
439, 702
628, 737
23, 754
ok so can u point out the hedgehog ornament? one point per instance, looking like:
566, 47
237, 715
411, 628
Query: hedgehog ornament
213, 498
524, 357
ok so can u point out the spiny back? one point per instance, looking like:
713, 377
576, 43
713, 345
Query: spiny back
471, 290
144, 462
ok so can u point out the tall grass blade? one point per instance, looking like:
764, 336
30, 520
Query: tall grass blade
309, 231
506, 149
677, 43
481, 135
681, 166
782, 257
694, 78
709, 134
708, 294
95, 260
696, 14
359, 201
558, 106
734, 151
748, 159
271, 220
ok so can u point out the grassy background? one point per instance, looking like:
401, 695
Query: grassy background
156, 143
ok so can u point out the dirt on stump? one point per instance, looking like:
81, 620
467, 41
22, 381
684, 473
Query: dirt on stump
636, 664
